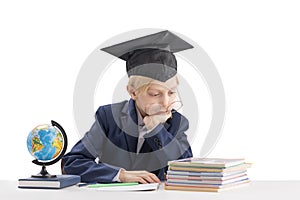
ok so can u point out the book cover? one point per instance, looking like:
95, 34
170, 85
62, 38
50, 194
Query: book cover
207, 162
205, 181
206, 188
215, 175
239, 167
58, 182
204, 178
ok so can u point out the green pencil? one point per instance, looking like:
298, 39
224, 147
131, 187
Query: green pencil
111, 184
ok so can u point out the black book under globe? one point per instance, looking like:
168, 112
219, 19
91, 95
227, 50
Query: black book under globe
60, 181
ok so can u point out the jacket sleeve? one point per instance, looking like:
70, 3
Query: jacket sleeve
81, 159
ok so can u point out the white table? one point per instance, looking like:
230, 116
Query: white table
283, 190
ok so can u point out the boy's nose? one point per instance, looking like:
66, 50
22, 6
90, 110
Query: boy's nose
165, 101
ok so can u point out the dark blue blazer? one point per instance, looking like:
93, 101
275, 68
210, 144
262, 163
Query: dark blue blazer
111, 144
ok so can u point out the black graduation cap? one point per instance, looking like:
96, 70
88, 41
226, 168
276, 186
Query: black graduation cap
151, 55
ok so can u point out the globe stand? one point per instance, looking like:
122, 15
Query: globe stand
43, 174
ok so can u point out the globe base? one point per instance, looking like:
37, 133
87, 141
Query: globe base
43, 174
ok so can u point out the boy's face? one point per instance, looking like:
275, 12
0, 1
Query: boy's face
156, 99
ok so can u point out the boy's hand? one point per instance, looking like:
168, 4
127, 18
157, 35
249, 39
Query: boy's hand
152, 121
138, 176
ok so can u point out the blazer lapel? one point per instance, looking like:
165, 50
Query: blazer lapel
142, 158
129, 125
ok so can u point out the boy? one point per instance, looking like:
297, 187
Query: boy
132, 141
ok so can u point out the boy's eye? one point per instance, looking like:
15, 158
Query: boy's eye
154, 94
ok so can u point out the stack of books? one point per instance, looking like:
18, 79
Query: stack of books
206, 174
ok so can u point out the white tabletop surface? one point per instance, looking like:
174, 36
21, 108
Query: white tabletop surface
283, 190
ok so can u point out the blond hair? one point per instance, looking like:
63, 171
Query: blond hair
142, 83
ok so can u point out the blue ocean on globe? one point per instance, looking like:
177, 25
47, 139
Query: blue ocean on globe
44, 142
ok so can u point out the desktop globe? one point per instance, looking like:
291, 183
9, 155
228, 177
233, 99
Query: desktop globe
47, 144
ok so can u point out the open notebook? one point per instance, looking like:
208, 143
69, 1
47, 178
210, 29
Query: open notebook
139, 187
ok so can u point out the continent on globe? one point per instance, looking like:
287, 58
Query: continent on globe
58, 144
36, 144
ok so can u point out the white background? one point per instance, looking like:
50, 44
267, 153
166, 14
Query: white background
255, 46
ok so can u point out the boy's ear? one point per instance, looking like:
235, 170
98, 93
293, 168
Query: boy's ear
131, 92
133, 95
